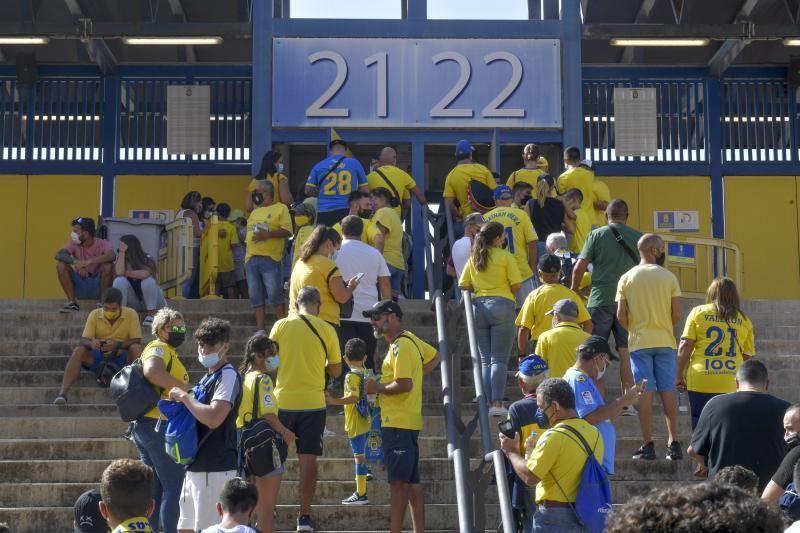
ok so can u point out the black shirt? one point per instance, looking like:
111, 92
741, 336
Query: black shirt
219, 452
547, 219
785, 473
742, 428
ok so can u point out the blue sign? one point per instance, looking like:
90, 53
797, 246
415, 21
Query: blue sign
681, 254
416, 83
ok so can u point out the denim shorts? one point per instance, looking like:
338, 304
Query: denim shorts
396, 279
604, 319
401, 454
86, 288
264, 281
120, 360
657, 365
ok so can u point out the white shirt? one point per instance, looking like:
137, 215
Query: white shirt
237, 529
794, 528
461, 250
357, 257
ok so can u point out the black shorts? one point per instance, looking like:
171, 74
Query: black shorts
330, 218
308, 426
401, 454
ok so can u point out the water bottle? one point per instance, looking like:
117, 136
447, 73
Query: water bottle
683, 402
372, 397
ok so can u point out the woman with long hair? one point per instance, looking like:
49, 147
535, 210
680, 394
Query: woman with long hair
258, 369
493, 276
548, 214
317, 267
716, 340
135, 273
191, 208
272, 170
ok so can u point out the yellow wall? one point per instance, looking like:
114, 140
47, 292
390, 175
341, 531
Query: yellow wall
166, 192
627, 189
228, 189
14, 192
53, 202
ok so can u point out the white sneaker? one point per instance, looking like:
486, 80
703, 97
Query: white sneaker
629, 411
328, 432
498, 411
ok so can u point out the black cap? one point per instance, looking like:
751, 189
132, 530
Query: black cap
548, 178
595, 345
549, 264
384, 306
87, 513
335, 142
86, 223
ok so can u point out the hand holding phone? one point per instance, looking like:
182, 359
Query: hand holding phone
358, 276
507, 428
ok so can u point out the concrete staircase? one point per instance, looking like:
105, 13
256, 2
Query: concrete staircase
50, 454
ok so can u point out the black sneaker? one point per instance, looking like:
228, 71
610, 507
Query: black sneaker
69, 307
674, 451
304, 523
355, 499
370, 477
646, 452
61, 399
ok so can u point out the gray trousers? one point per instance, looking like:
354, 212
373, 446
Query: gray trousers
153, 297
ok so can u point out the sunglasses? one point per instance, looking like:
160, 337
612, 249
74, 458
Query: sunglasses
178, 329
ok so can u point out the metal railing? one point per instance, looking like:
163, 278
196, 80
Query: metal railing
696, 261
471, 485
175, 256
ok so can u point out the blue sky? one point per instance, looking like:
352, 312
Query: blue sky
437, 9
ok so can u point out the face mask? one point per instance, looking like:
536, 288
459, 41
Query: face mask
258, 198
208, 214
378, 331
175, 339
280, 167
541, 419
661, 258
208, 360
371, 169
525, 199
272, 362
198, 208
111, 315
333, 254
301, 220
792, 440
365, 213
601, 372
75, 237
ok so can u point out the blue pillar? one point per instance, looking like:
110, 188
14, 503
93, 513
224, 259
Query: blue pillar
714, 153
111, 102
572, 94
261, 123
418, 220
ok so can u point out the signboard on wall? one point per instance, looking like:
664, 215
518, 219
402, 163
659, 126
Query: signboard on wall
188, 125
416, 83
635, 122
681, 254
676, 221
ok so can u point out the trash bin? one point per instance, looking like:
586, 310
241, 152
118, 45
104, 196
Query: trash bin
148, 231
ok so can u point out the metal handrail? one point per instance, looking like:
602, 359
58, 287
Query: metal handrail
717, 263
175, 255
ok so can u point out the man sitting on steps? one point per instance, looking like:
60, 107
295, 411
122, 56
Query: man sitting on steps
111, 339
84, 265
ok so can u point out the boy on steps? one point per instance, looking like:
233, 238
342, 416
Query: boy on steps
236, 504
356, 415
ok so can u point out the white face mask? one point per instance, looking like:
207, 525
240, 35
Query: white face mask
280, 167
372, 169
333, 254
75, 238
208, 360
272, 362
602, 372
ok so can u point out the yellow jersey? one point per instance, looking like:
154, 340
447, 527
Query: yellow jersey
317, 272
137, 524
169, 355
269, 218
275, 180
368, 234
225, 246
266, 398
601, 194
583, 226
300, 385
557, 347
583, 179
405, 359
559, 456
124, 328
525, 175
354, 423
540, 301
648, 291
300, 238
496, 280
718, 349
519, 233
393, 236
455, 185
402, 181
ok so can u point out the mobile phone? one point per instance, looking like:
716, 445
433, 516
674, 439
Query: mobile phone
359, 276
507, 428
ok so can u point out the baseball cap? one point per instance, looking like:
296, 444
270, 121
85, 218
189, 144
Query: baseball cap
533, 365
549, 264
474, 218
503, 190
564, 307
235, 215
384, 306
87, 513
596, 345
86, 223
335, 142
464, 147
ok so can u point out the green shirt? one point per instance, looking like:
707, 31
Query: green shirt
610, 261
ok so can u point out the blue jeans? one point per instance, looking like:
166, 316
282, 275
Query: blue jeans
191, 287
168, 473
396, 279
494, 331
556, 520
264, 280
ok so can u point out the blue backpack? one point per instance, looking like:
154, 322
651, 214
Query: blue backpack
593, 501
362, 405
180, 436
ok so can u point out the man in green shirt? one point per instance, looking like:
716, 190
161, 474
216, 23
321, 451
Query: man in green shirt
612, 251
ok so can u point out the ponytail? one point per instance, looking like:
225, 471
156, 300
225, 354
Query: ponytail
483, 243
317, 239
542, 192
256, 344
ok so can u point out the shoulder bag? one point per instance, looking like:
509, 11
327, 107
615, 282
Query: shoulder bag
263, 450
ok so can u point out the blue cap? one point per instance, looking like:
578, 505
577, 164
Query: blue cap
503, 190
533, 365
464, 147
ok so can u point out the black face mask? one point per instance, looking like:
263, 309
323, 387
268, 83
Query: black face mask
541, 419
793, 441
661, 258
258, 198
365, 213
175, 339
525, 200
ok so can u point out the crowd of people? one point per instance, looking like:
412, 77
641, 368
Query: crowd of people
555, 273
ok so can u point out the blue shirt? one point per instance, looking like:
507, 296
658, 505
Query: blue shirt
335, 186
587, 399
